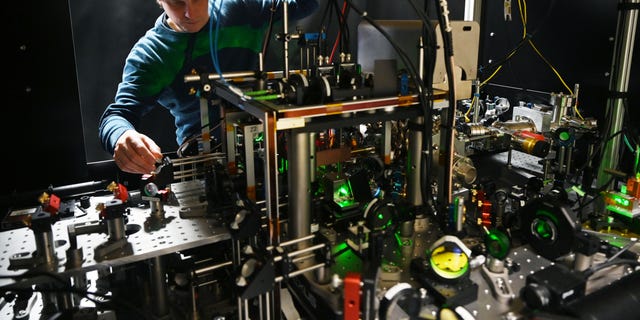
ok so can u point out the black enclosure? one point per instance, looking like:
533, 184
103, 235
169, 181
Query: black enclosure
42, 124
576, 37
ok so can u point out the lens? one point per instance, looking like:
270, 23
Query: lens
449, 261
543, 229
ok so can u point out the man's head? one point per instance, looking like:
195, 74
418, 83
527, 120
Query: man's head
186, 15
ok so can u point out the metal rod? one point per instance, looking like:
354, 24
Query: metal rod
414, 170
299, 252
294, 241
285, 33
215, 76
158, 286
303, 258
299, 178
299, 272
201, 271
621, 68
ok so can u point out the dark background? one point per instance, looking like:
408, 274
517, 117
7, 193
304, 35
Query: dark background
67, 58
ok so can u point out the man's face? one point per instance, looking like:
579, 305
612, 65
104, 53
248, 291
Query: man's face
186, 15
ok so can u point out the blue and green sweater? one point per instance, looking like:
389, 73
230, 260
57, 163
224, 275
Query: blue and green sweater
155, 68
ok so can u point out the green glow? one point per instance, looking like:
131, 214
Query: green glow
256, 93
564, 136
454, 209
345, 203
267, 97
497, 244
284, 165
578, 191
401, 242
623, 189
345, 260
340, 247
380, 216
548, 215
398, 239
620, 211
543, 229
259, 137
620, 200
342, 196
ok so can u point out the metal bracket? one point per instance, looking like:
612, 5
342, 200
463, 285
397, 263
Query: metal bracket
498, 280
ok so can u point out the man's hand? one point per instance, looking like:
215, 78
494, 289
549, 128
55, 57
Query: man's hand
136, 153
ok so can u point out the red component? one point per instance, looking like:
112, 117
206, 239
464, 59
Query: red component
486, 214
163, 194
529, 135
633, 187
53, 205
121, 193
351, 296
480, 197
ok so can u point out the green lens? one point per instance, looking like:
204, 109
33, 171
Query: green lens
543, 229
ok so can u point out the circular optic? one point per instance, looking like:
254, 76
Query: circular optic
549, 226
543, 229
498, 244
150, 189
449, 261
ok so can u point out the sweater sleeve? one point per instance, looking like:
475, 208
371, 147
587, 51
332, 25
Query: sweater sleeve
150, 67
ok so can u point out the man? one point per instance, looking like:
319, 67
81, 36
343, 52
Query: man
190, 37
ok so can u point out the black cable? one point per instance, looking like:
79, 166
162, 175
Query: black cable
341, 25
411, 68
589, 272
325, 16
403, 55
429, 41
601, 145
347, 30
324, 22
597, 195
267, 36
448, 127
422, 94
65, 287
336, 9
